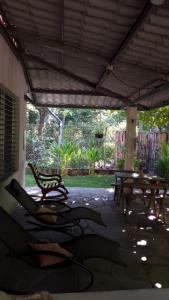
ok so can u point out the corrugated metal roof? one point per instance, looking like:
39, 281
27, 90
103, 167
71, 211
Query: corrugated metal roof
92, 53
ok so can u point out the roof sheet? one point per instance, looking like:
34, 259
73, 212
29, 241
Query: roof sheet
92, 53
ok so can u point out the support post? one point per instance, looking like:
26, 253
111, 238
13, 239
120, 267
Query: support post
130, 137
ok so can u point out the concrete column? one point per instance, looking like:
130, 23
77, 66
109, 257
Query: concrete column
130, 137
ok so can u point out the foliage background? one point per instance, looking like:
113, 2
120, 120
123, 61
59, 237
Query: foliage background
51, 134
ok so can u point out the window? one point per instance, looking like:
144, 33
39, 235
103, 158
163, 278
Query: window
8, 134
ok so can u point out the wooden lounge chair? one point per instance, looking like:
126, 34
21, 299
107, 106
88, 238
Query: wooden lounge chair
49, 183
66, 217
21, 271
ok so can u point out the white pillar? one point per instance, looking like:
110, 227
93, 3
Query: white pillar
130, 137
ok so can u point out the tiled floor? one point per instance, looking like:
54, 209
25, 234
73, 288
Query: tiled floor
146, 241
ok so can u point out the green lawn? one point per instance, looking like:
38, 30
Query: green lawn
93, 181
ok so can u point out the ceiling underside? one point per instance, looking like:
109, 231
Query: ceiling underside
91, 53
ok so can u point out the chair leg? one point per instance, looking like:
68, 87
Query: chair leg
62, 194
117, 195
123, 204
65, 189
43, 197
161, 210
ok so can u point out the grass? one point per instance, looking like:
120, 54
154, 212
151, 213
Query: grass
90, 181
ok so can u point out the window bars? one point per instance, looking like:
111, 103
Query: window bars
8, 134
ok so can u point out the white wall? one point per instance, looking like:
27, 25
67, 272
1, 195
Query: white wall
12, 78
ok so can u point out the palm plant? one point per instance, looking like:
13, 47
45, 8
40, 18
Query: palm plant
92, 155
64, 154
78, 157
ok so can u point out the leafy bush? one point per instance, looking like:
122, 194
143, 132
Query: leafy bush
121, 163
108, 155
137, 163
163, 164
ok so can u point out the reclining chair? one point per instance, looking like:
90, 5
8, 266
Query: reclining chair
58, 216
49, 183
32, 266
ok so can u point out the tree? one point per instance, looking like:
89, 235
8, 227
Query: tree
32, 114
42, 116
61, 122
155, 118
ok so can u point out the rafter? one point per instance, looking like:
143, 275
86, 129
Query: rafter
127, 39
149, 85
78, 106
141, 66
77, 78
152, 92
58, 46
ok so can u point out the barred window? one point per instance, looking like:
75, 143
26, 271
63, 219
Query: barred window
8, 134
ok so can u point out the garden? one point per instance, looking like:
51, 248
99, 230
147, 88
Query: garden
84, 147
78, 144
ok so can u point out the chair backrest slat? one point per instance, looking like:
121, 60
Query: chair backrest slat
13, 235
15, 189
35, 172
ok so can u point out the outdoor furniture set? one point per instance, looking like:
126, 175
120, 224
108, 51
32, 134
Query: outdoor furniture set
152, 189
32, 265
51, 214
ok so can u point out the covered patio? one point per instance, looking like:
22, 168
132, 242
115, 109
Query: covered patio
91, 54
87, 54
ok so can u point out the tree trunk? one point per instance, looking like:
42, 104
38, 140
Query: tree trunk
42, 115
61, 126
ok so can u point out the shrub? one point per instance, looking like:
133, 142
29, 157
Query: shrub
163, 164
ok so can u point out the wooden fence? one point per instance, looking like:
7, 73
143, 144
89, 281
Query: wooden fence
147, 146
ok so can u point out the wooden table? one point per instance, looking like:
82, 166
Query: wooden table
153, 192
124, 176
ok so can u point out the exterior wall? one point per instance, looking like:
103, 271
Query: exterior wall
12, 78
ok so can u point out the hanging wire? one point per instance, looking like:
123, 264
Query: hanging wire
128, 85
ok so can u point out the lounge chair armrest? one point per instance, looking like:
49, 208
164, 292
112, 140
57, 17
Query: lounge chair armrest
56, 214
51, 253
45, 214
39, 214
69, 258
48, 202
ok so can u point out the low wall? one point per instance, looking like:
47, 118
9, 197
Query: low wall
74, 172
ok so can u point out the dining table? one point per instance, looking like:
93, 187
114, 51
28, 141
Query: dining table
122, 176
133, 177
